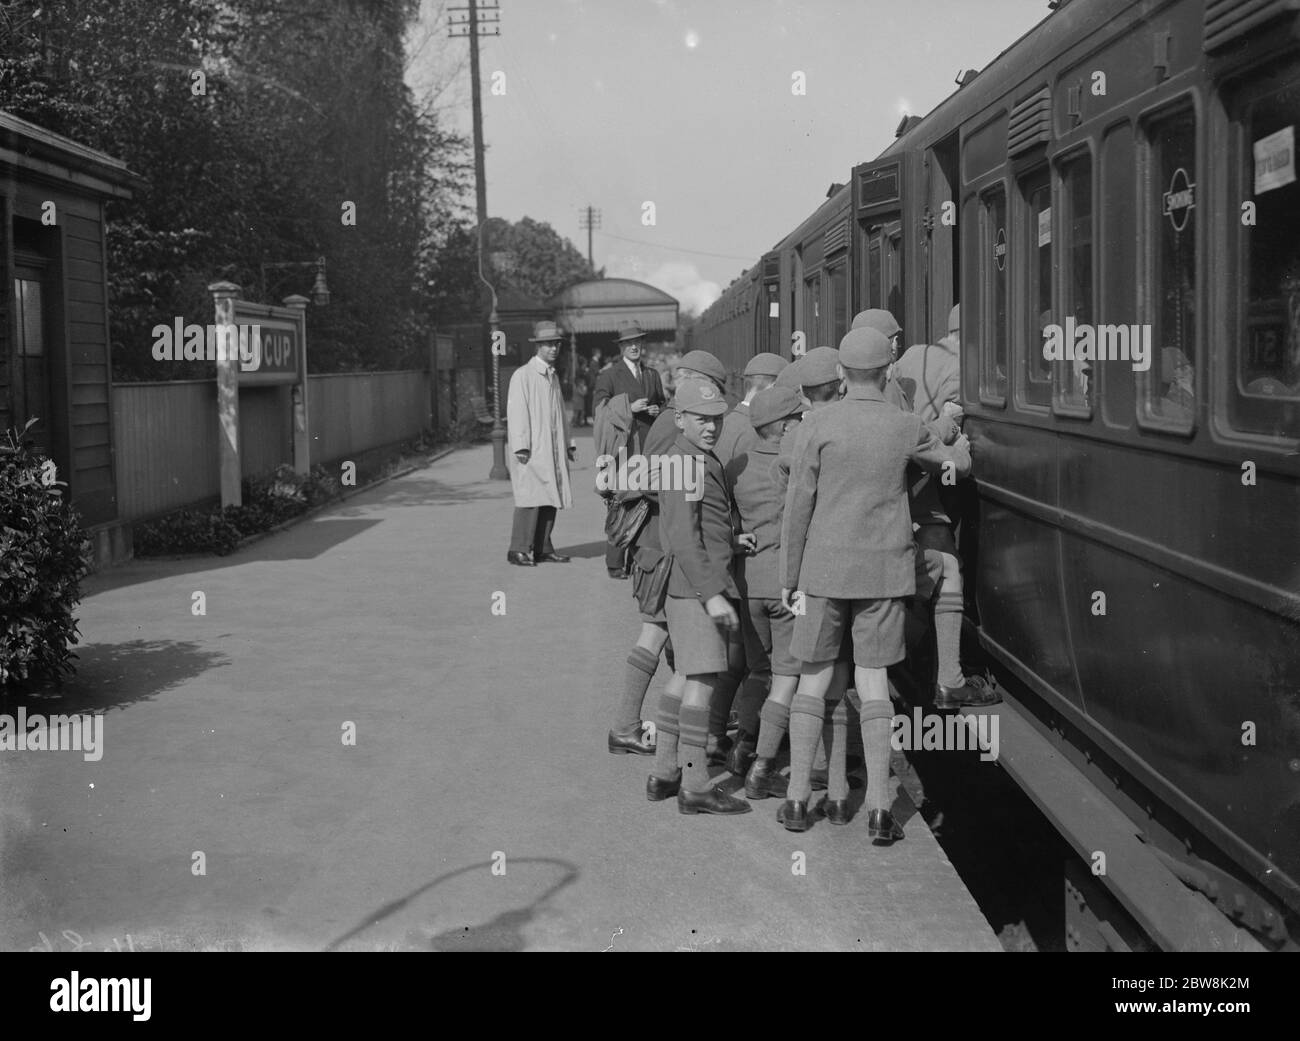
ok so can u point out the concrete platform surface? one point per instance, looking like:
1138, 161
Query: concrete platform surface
480, 744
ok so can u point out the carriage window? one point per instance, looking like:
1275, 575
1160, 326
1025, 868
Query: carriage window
1076, 379
1264, 394
1167, 391
993, 327
1037, 232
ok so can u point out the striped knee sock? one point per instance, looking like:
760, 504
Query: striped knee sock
876, 724
805, 729
947, 633
835, 736
691, 754
666, 722
641, 666
774, 720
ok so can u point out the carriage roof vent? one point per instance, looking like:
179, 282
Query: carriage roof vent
835, 187
906, 124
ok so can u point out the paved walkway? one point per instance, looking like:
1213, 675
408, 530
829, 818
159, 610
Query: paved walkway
477, 736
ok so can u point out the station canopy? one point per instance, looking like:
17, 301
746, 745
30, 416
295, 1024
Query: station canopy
601, 305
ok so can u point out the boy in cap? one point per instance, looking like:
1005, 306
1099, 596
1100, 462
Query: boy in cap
846, 543
767, 624
628, 733
933, 375
696, 527
887, 325
760, 373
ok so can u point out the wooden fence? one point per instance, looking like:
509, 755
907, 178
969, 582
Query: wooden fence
165, 434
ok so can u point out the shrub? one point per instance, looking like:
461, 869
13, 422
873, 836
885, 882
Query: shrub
43, 559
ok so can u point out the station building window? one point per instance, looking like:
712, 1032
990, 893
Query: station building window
995, 260
1167, 391
1036, 198
1076, 379
1264, 358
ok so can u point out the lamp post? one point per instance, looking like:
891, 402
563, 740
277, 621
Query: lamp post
320, 290
499, 472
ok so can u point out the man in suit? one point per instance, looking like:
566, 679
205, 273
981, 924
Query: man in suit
645, 391
846, 543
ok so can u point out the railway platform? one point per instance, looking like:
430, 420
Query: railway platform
477, 807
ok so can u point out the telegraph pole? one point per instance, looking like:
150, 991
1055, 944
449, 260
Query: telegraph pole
589, 218
473, 27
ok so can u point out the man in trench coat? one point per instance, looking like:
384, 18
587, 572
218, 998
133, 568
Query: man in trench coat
539, 434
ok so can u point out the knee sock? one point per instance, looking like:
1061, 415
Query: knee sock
876, 725
774, 720
835, 737
749, 702
641, 666
691, 754
947, 632
805, 729
666, 723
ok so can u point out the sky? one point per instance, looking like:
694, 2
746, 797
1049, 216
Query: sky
691, 105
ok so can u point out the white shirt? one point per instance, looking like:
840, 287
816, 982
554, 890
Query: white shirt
634, 368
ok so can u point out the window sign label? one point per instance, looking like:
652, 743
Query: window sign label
1275, 160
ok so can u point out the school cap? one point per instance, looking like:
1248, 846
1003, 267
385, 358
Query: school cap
818, 366
877, 318
704, 363
789, 376
699, 397
765, 364
774, 403
865, 349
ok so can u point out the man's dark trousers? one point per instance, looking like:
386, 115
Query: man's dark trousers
532, 530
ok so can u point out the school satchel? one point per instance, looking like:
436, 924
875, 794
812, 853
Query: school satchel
651, 595
624, 520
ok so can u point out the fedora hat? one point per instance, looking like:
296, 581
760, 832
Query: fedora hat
630, 331
544, 332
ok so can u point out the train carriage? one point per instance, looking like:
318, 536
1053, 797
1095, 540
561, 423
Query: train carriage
1123, 175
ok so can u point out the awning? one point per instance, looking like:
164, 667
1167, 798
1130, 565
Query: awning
656, 318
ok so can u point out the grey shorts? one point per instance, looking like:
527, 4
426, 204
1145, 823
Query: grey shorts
876, 628
699, 644
768, 629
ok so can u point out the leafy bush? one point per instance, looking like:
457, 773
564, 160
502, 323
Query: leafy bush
42, 562
269, 500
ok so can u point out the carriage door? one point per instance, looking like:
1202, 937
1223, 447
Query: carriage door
877, 216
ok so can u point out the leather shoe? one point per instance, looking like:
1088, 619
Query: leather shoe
553, 558
718, 756
742, 752
762, 775
522, 559
629, 742
793, 815
657, 789
882, 829
715, 800
975, 692
616, 572
836, 811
